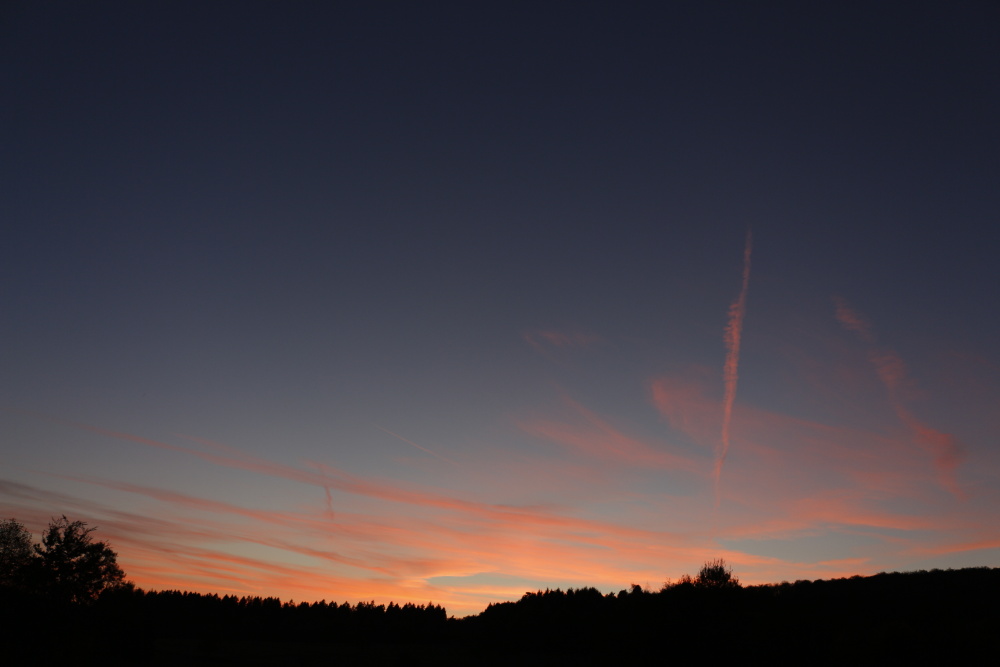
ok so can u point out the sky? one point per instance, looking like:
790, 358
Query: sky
446, 302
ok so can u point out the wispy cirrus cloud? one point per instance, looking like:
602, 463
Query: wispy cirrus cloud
336, 534
795, 476
421, 535
526, 540
593, 436
399, 551
945, 450
684, 402
851, 320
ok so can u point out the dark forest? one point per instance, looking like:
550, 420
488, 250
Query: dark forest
66, 600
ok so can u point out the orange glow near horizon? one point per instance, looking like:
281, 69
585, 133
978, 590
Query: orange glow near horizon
579, 497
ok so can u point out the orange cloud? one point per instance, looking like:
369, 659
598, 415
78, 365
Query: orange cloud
376, 538
475, 518
521, 542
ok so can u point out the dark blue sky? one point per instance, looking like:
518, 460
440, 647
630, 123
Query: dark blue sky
275, 225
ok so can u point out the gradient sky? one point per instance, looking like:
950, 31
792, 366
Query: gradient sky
451, 301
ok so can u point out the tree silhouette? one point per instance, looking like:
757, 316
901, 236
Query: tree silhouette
15, 552
716, 574
72, 566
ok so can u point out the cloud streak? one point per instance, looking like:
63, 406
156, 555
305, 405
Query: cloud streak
945, 450
597, 439
733, 336
420, 447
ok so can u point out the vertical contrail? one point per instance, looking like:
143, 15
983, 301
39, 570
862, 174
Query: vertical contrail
734, 330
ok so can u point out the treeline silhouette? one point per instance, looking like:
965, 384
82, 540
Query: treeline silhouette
134, 626
880, 619
937, 616
950, 614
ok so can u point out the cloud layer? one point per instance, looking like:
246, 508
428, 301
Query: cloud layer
577, 491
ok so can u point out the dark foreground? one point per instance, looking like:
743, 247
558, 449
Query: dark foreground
949, 616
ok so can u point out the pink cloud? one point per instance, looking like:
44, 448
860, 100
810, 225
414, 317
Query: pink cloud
365, 537
852, 321
787, 462
991, 542
596, 438
684, 403
945, 450
521, 542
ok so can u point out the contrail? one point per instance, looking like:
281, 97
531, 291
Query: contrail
734, 330
407, 440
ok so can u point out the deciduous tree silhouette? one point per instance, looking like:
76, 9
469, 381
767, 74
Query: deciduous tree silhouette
15, 552
72, 566
716, 574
